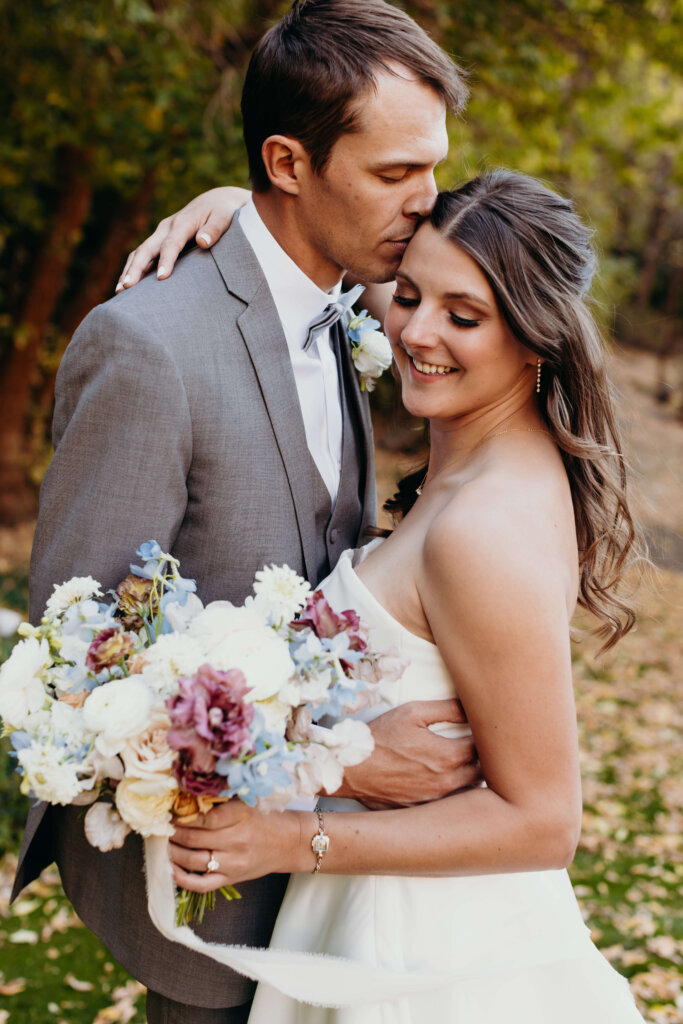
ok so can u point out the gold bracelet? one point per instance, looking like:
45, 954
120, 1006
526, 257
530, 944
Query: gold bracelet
320, 843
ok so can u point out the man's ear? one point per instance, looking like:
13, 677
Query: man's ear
285, 160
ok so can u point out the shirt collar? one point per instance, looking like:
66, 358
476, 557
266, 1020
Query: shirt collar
298, 300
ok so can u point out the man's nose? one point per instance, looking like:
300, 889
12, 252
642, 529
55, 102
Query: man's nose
422, 200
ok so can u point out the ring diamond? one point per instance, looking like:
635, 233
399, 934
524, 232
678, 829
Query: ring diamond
213, 864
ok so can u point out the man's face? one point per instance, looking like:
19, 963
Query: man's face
360, 213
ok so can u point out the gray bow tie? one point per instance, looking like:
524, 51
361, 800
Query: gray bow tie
331, 314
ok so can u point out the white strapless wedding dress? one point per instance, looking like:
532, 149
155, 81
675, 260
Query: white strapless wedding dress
509, 948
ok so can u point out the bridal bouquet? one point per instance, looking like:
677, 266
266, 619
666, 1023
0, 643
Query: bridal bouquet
151, 706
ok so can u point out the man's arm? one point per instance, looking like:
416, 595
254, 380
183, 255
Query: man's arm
411, 764
123, 445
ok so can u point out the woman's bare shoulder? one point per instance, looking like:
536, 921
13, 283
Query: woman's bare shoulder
515, 513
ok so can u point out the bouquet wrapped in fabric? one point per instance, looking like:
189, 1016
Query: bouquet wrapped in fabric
151, 705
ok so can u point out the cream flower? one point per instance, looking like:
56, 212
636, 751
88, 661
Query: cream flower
149, 753
145, 804
21, 687
104, 827
80, 588
371, 356
116, 711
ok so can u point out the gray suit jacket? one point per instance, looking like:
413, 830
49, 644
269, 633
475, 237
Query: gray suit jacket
177, 419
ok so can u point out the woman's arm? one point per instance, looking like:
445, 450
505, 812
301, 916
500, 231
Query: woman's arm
206, 218
494, 589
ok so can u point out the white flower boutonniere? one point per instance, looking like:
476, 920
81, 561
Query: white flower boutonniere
370, 349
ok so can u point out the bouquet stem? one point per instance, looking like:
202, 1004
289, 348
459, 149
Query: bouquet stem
191, 906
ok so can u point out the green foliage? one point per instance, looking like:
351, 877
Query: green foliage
587, 94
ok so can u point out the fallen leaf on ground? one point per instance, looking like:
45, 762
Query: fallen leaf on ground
23, 935
78, 986
13, 987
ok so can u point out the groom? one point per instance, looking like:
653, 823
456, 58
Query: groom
196, 413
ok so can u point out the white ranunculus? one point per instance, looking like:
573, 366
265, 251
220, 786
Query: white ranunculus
116, 711
48, 776
80, 588
21, 687
104, 827
262, 656
372, 355
237, 638
145, 804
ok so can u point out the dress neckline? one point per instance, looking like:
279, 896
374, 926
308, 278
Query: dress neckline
345, 564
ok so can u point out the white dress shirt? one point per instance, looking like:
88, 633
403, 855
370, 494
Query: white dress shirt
298, 301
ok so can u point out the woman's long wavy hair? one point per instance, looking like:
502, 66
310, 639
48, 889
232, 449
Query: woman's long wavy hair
539, 262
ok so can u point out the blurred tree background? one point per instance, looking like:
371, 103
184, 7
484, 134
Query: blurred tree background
117, 113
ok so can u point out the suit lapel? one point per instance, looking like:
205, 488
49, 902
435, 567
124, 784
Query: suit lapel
263, 336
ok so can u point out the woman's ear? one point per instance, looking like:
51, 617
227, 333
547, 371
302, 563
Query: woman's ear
285, 160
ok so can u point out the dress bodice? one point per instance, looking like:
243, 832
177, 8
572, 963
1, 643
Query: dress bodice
426, 677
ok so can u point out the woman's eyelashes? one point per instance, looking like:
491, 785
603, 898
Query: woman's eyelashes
460, 321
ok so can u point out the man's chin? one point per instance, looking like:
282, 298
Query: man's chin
377, 273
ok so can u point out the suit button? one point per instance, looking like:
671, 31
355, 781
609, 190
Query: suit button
334, 535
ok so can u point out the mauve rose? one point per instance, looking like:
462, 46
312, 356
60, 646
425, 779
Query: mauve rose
109, 648
327, 623
209, 719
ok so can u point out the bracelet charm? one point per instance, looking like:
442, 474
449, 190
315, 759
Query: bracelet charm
320, 843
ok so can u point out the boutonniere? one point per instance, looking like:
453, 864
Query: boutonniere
370, 350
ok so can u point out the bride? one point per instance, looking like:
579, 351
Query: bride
520, 512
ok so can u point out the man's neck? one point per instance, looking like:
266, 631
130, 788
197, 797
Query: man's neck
277, 212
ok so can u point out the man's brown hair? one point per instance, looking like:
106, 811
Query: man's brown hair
310, 69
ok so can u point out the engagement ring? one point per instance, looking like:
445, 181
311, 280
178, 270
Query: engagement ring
212, 865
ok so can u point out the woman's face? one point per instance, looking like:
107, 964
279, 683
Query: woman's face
455, 354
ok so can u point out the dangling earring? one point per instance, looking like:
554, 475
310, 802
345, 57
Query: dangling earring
538, 377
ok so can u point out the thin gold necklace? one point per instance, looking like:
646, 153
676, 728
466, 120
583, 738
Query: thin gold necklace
490, 437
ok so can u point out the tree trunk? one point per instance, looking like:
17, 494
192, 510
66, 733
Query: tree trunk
657, 222
128, 224
17, 496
